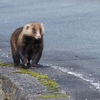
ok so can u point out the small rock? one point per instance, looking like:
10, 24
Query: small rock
76, 56
38, 92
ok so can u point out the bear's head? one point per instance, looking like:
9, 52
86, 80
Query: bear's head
35, 30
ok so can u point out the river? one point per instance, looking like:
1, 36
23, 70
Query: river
72, 34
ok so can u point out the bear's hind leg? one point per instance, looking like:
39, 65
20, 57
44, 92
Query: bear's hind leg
16, 59
28, 64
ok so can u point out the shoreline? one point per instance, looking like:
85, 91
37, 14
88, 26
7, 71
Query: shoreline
26, 82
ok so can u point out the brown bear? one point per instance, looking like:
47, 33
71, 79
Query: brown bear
27, 44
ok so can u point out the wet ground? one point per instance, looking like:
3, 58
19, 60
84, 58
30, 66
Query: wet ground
71, 39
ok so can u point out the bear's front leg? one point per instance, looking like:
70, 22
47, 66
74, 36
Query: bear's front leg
23, 57
35, 59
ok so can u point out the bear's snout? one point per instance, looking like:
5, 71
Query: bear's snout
38, 36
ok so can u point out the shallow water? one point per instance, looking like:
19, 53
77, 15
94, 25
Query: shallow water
72, 34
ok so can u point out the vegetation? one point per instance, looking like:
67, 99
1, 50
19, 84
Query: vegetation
6, 65
43, 79
51, 85
53, 96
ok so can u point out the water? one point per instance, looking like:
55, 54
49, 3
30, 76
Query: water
72, 34
87, 78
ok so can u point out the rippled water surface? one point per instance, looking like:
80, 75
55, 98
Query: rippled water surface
72, 33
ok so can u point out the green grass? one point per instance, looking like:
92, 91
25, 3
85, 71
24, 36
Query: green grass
53, 96
5, 64
51, 85
43, 79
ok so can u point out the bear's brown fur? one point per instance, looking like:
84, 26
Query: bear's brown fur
27, 44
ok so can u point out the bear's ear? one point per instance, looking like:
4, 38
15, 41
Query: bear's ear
27, 26
42, 29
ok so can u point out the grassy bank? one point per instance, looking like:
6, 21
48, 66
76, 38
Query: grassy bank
51, 85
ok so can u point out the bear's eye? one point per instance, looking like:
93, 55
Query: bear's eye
34, 31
